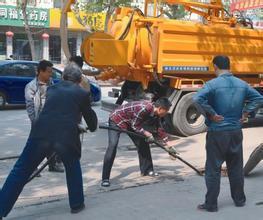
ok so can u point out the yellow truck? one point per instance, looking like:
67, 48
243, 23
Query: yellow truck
156, 56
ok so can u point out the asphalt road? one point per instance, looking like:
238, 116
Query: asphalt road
173, 195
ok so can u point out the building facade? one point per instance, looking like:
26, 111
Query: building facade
44, 22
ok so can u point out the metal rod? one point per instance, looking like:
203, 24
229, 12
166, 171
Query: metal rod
39, 170
9, 158
173, 154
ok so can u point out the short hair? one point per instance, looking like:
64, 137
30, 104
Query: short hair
78, 60
163, 103
42, 65
72, 72
222, 62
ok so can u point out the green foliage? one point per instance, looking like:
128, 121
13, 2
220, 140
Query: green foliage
175, 11
103, 5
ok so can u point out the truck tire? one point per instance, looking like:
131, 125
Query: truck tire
255, 157
2, 100
186, 119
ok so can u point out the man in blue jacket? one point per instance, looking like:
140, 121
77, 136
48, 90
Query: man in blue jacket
226, 102
56, 130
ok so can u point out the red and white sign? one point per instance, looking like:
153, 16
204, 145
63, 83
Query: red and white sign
242, 5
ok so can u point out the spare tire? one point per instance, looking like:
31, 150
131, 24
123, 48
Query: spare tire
255, 157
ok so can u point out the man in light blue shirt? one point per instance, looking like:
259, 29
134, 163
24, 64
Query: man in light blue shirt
226, 102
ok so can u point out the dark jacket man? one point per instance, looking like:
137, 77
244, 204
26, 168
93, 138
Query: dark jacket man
58, 122
223, 102
55, 130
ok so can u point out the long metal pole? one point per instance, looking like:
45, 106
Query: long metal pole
173, 154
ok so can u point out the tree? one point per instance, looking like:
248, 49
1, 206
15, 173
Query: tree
22, 4
174, 11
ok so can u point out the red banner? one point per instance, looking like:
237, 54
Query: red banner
242, 5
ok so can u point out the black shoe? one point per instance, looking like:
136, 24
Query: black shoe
78, 209
240, 204
56, 168
151, 173
204, 208
105, 183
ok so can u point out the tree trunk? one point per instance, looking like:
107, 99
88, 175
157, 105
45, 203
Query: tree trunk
64, 30
109, 12
27, 29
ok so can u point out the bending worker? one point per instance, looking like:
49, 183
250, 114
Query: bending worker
131, 117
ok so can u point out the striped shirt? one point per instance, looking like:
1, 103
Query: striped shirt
133, 115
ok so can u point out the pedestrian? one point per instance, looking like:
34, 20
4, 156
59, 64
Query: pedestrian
222, 101
131, 116
85, 84
56, 130
35, 96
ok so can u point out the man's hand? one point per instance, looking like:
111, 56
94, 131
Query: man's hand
170, 146
244, 118
216, 118
149, 136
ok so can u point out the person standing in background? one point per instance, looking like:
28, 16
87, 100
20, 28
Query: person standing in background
35, 96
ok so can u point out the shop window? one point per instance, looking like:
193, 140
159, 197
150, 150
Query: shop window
55, 49
72, 46
22, 49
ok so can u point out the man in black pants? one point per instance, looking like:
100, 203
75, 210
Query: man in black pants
56, 130
131, 117
222, 101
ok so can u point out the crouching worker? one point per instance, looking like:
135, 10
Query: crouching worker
55, 130
131, 117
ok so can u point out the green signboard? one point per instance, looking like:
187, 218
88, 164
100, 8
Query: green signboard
13, 16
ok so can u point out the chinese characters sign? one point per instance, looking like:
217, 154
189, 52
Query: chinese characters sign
13, 16
94, 20
245, 4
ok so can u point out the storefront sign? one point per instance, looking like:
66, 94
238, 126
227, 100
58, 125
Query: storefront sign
13, 16
245, 4
94, 21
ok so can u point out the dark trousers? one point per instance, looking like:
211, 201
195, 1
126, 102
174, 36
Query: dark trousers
143, 148
33, 154
55, 160
224, 146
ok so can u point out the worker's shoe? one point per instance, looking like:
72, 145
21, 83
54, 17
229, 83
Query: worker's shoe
58, 168
78, 209
151, 173
204, 208
105, 183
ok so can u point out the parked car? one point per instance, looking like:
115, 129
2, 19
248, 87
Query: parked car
15, 74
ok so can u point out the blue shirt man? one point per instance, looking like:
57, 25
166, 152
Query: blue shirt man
225, 102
